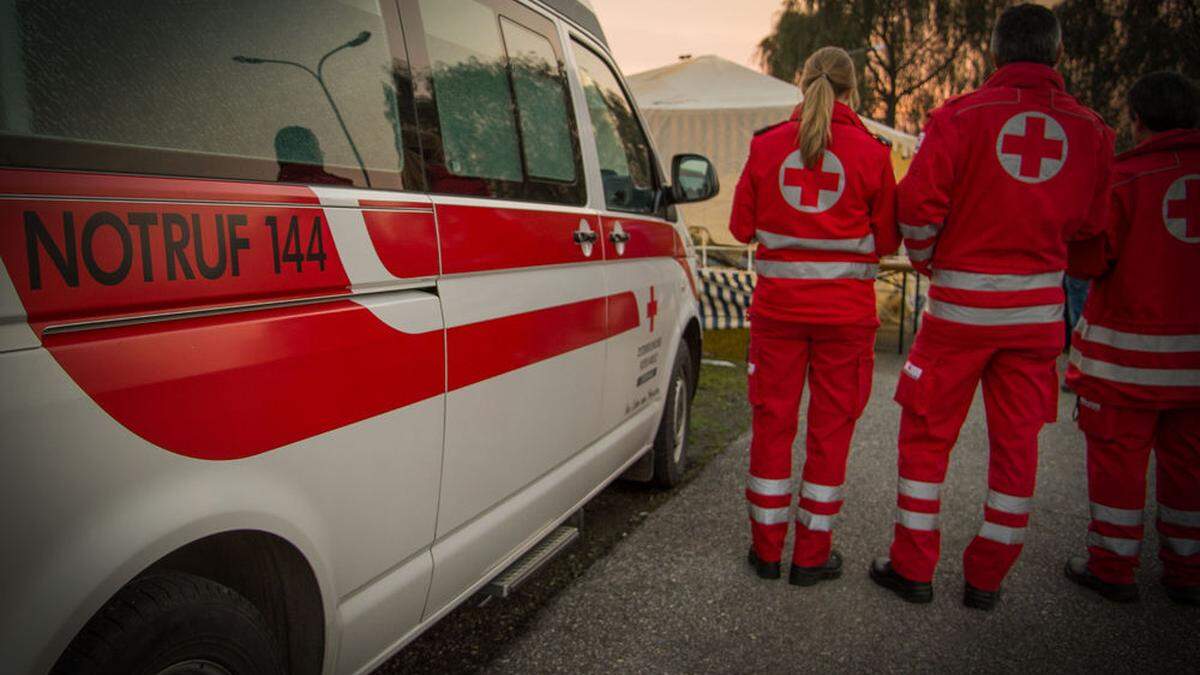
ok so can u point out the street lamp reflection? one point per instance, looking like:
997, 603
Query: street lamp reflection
318, 75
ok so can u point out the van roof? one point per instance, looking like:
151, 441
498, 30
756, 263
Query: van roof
580, 13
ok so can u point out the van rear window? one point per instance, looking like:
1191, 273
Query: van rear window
300, 91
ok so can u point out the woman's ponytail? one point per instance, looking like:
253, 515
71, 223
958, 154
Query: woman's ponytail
828, 75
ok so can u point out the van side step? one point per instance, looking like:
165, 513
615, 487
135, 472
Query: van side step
543, 552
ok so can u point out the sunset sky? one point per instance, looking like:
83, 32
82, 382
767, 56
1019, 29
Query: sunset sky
645, 34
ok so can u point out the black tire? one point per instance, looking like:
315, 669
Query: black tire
670, 443
174, 623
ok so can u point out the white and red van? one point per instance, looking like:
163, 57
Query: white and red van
315, 317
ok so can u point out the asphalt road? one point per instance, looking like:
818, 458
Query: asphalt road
677, 596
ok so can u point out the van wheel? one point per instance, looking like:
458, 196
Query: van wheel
174, 624
670, 444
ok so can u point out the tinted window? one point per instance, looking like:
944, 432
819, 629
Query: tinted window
538, 83
495, 110
626, 168
302, 91
470, 80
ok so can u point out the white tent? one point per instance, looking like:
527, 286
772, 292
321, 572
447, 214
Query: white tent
712, 106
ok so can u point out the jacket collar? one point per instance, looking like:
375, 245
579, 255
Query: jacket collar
1026, 75
1165, 141
842, 114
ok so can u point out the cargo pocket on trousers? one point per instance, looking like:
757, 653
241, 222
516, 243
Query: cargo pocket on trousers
752, 386
916, 385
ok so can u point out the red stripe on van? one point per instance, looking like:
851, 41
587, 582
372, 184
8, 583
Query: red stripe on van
96, 260
487, 349
647, 238
406, 242
483, 238
235, 385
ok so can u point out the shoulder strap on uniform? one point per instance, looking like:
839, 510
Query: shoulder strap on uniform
768, 128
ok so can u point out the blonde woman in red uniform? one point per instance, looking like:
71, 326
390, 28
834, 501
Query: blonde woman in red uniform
818, 195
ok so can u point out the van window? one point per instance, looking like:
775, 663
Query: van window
470, 81
541, 105
495, 111
626, 165
303, 91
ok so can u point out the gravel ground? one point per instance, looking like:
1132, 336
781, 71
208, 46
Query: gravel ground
676, 595
469, 638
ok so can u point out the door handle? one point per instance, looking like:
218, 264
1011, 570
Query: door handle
585, 237
619, 237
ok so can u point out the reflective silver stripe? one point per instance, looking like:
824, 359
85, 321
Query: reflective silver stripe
1178, 516
821, 493
769, 487
1002, 533
1119, 545
976, 281
781, 241
917, 521
994, 316
813, 521
920, 490
769, 516
1017, 506
1185, 547
1114, 516
1140, 342
1154, 377
918, 232
919, 254
778, 269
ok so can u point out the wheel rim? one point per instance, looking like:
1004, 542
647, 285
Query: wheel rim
681, 413
195, 667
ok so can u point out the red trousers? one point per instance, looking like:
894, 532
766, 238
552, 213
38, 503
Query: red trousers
1119, 441
1020, 394
838, 362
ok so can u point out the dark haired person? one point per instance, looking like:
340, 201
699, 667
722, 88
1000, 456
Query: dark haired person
1135, 358
818, 194
1005, 177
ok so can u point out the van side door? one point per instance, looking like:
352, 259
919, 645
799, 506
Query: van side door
644, 248
522, 287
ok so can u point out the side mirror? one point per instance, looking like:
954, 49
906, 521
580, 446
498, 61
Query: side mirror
693, 179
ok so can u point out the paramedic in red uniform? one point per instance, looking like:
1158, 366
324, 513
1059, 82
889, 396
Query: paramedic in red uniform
1135, 361
818, 195
1004, 178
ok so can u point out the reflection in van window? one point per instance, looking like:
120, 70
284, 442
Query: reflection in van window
201, 88
470, 84
625, 160
541, 104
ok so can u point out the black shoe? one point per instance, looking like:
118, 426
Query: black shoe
1183, 595
1078, 572
764, 570
909, 591
980, 599
807, 576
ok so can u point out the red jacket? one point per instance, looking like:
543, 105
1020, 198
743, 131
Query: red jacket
1004, 177
820, 231
1138, 343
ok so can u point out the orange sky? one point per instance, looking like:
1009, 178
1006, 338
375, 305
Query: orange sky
645, 34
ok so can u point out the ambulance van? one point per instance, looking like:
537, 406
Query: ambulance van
317, 319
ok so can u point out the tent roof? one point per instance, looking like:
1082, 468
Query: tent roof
712, 83
708, 82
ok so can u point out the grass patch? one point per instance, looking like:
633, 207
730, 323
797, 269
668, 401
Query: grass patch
720, 411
